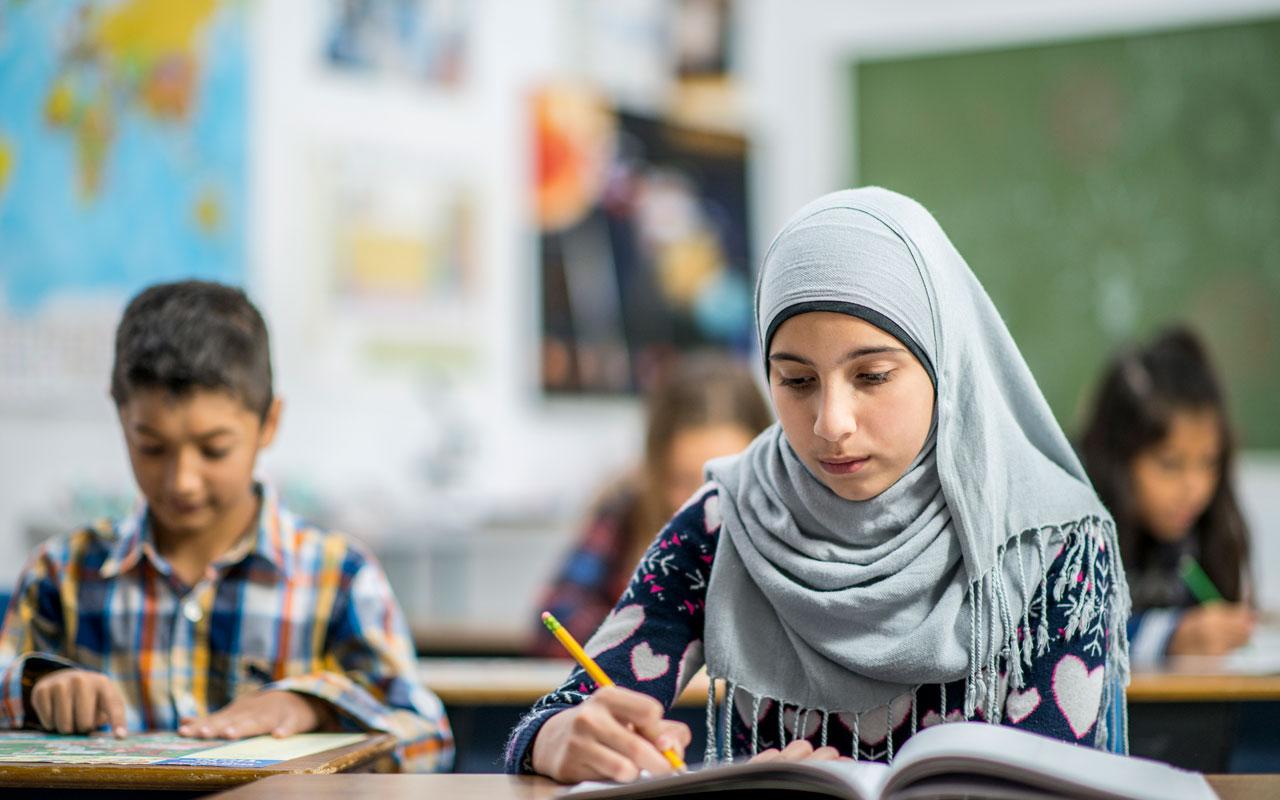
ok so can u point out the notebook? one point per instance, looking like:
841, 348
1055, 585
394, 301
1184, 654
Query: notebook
960, 759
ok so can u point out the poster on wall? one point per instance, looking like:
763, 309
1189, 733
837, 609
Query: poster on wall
421, 41
401, 278
397, 307
122, 163
643, 243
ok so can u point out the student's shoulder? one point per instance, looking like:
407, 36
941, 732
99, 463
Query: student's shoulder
85, 549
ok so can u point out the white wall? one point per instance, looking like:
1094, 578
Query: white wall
358, 442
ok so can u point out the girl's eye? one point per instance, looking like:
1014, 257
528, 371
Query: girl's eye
214, 455
873, 377
794, 383
151, 450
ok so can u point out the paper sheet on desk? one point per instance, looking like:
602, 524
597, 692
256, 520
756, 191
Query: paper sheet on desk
261, 751
1261, 656
868, 777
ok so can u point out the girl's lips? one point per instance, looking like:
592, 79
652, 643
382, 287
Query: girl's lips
845, 466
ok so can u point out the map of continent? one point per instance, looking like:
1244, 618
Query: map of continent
122, 146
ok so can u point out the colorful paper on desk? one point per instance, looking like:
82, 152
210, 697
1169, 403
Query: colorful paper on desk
164, 748
53, 748
262, 751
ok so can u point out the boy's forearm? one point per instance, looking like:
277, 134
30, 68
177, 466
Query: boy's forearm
425, 739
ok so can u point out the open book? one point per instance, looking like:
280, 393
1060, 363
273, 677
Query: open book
959, 759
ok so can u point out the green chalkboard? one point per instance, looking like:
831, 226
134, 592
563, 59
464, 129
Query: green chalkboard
1101, 189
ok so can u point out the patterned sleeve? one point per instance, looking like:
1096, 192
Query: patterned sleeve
1063, 692
32, 641
1149, 635
652, 640
585, 588
375, 685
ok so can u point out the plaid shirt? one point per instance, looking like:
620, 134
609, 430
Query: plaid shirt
291, 608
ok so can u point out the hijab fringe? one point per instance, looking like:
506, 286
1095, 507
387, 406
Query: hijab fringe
1094, 593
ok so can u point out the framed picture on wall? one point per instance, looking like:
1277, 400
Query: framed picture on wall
642, 243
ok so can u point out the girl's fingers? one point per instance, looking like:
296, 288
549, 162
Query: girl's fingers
599, 762
772, 754
798, 750
629, 706
666, 734
84, 708
637, 749
826, 753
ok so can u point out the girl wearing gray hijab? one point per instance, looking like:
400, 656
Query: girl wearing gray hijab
914, 542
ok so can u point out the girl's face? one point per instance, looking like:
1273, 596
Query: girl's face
1174, 479
690, 448
853, 402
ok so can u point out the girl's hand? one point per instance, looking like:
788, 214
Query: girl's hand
277, 712
1212, 629
78, 701
799, 750
612, 735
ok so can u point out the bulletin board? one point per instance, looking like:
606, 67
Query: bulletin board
1101, 189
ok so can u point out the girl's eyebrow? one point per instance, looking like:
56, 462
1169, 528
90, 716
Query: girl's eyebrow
852, 355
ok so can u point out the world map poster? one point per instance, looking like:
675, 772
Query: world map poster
122, 163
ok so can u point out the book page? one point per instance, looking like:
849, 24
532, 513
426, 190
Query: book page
1050, 765
837, 779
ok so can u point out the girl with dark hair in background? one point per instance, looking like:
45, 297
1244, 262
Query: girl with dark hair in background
1159, 448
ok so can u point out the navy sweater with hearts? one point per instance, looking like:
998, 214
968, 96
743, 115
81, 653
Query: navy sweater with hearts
652, 643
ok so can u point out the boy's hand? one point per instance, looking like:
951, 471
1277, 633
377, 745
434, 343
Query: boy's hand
613, 735
277, 712
78, 701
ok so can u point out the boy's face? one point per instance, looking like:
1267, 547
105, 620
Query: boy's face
193, 455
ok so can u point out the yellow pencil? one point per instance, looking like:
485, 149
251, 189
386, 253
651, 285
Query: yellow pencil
593, 669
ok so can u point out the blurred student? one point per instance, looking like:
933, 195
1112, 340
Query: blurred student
212, 610
707, 406
1159, 448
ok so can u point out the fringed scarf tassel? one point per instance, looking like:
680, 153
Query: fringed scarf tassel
1096, 597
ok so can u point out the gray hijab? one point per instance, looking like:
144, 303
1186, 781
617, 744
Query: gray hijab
836, 605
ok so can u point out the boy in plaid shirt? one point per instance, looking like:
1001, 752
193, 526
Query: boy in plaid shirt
212, 610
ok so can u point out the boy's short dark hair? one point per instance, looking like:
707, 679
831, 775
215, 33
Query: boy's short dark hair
193, 335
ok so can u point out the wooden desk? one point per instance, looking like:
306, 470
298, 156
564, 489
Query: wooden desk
461, 640
1183, 686
514, 681
506, 787
184, 778
520, 681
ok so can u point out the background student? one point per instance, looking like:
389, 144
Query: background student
212, 610
706, 406
1159, 448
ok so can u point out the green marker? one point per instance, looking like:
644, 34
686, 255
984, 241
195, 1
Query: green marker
1194, 576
